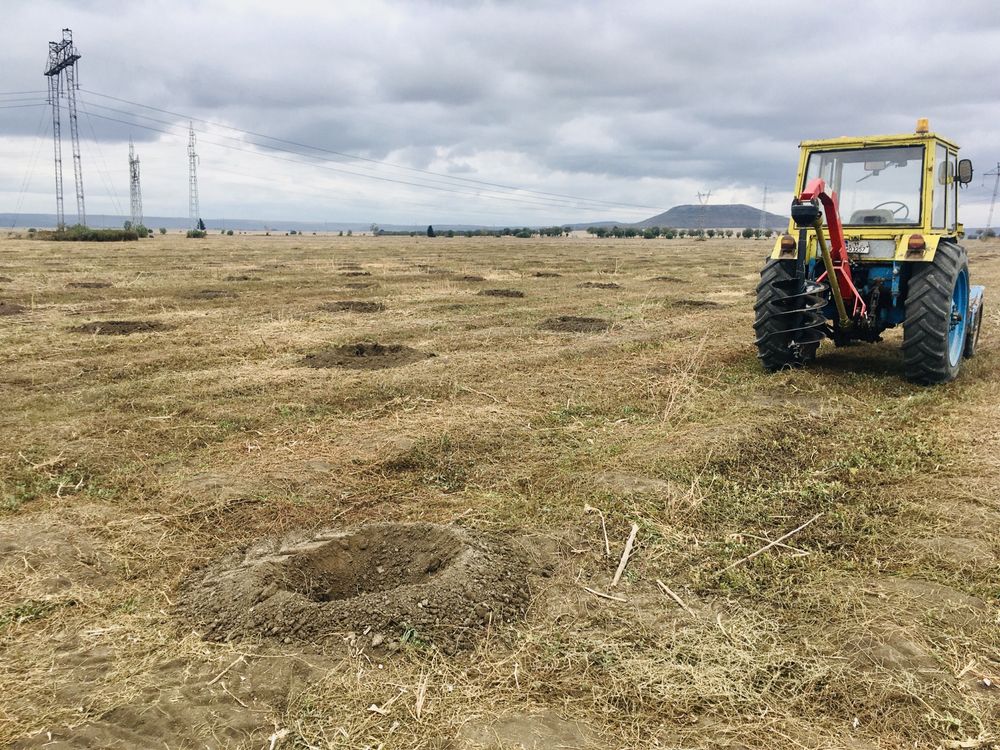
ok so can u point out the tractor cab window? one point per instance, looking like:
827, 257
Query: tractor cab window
874, 186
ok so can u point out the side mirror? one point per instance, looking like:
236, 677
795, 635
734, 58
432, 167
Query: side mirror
965, 171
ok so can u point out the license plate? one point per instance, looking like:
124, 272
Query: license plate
858, 247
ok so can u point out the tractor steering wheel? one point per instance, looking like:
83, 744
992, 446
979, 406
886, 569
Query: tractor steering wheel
900, 206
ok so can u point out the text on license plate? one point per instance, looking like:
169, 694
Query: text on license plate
858, 247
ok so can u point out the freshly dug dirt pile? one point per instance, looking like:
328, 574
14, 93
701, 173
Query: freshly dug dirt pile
671, 279
120, 327
365, 355
89, 284
386, 582
599, 285
242, 277
473, 277
545, 274
353, 305
573, 324
211, 294
501, 293
10, 308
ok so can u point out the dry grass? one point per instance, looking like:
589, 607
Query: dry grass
127, 460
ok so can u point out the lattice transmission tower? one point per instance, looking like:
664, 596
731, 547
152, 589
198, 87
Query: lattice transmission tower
993, 200
134, 191
194, 212
61, 72
763, 212
703, 199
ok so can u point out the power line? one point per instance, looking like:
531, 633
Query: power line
61, 70
327, 167
355, 157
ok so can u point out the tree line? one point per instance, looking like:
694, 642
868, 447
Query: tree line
669, 233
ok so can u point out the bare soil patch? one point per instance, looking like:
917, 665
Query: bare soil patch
89, 284
242, 277
356, 273
671, 279
695, 303
120, 327
365, 355
5, 279
501, 293
472, 277
387, 583
600, 285
10, 308
546, 274
211, 294
574, 324
353, 305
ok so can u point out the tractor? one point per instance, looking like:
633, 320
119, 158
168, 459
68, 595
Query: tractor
873, 243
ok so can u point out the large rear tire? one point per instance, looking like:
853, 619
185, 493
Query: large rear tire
771, 323
935, 328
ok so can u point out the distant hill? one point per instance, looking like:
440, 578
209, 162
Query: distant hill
714, 216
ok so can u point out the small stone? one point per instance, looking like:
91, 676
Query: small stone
377, 640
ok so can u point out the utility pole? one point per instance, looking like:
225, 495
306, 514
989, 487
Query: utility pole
703, 201
763, 212
135, 192
194, 211
993, 200
61, 72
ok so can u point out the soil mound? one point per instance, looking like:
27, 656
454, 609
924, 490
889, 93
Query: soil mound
10, 308
573, 324
501, 293
388, 582
472, 277
671, 279
356, 273
242, 277
120, 327
353, 306
545, 274
5, 279
600, 285
89, 284
211, 294
365, 355
696, 303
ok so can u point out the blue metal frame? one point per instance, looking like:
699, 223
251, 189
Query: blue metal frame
959, 322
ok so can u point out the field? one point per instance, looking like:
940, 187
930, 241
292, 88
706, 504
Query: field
622, 388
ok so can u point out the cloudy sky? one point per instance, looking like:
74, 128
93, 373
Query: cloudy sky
593, 110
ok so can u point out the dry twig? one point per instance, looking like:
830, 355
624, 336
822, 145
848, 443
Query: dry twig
625, 555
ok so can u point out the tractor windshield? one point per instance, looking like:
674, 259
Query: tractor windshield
875, 186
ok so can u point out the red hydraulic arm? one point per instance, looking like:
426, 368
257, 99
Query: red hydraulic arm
816, 190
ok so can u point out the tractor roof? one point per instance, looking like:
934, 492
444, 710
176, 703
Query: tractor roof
903, 139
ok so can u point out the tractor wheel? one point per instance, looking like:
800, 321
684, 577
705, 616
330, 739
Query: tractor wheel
771, 323
935, 328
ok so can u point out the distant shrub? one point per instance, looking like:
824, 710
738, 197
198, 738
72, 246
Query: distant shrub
451, 233
430, 231
31, 230
163, 230
349, 233
747, 233
229, 232
292, 231
196, 233
80, 233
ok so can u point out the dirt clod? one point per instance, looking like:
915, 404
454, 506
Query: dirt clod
403, 581
365, 355
10, 308
120, 327
501, 293
600, 285
89, 284
573, 324
359, 306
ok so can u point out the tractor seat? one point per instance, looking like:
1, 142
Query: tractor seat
872, 216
